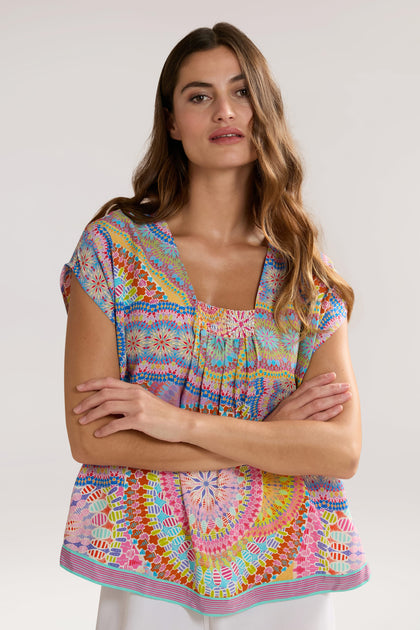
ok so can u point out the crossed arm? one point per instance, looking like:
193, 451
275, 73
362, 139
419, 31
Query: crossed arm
316, 430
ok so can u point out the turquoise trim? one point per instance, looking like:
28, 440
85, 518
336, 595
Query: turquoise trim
208, 598
173, 601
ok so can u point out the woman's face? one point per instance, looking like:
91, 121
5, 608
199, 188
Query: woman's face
212, 113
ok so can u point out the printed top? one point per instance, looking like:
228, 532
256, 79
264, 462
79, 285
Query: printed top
215, 541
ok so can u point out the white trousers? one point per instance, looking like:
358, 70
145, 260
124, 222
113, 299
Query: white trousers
121, 610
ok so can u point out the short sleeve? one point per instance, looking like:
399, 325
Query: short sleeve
91, 263
333, 313
329, 313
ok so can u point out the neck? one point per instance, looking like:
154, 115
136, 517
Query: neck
219, 205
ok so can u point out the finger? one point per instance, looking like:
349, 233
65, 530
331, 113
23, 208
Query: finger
322, 404
108, 408
101, 396
328, 414
120, 424
322, 391
99, 383
315, 381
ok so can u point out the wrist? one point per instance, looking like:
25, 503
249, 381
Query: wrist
187, 421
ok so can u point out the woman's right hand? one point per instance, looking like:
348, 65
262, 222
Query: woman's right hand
319, 398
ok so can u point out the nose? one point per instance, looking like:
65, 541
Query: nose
223, 110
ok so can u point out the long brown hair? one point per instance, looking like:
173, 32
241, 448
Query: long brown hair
161, 181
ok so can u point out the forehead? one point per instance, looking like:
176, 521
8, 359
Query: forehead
211, 66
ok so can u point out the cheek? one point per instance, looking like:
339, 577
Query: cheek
192, 126
249, 117
191, 134
185, 124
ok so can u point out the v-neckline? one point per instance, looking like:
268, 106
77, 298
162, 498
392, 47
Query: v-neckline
190, 289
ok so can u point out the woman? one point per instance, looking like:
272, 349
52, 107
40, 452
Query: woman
211, 396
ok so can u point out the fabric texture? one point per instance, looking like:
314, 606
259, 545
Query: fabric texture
215, 541
122, 610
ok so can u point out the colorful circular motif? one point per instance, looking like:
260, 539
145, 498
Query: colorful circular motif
237, 523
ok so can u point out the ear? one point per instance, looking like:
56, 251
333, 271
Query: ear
171, 125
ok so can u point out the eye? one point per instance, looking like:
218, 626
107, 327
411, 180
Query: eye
244, 92
199, 98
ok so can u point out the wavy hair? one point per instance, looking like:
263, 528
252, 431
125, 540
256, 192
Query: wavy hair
161, 180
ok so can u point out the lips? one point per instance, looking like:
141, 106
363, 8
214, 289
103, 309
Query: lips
225, 132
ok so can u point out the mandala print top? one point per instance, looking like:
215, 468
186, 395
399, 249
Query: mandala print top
215, 541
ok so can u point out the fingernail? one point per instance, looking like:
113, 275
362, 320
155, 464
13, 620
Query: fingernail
82, 420
76, 409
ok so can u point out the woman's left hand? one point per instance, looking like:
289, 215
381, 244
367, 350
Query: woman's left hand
139, 410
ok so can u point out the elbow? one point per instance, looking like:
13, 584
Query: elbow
78, 443
86, 448
350, 461
78, 452
79, 455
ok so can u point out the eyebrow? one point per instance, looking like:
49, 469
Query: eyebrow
203, 84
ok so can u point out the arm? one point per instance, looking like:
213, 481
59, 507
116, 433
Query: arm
315, 430
91, 351
291, 447
287, 446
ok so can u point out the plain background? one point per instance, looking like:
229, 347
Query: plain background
78, 84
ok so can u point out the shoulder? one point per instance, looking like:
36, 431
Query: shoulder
329, 313
113, 223
330, 309
326, 292
117, 230
321, 286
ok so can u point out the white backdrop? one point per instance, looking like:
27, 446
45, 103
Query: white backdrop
78, 84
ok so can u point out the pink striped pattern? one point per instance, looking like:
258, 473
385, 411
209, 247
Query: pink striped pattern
162, 589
